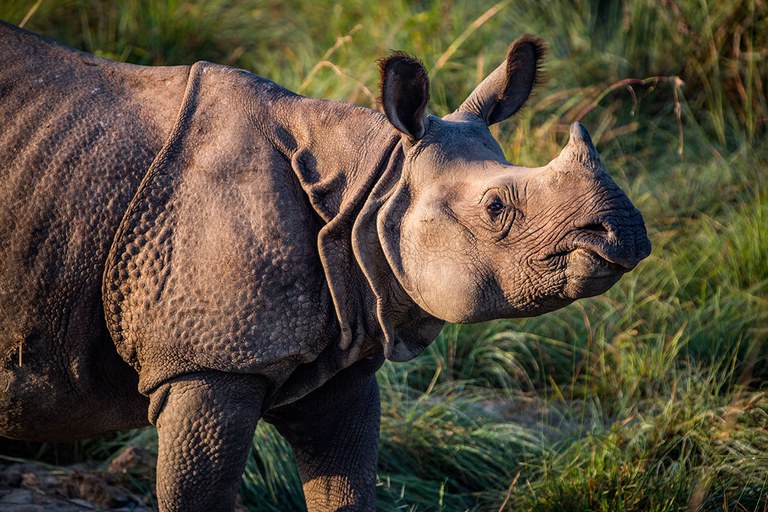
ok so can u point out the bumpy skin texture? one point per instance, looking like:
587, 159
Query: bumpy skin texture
198, 248
205, 426
78, 134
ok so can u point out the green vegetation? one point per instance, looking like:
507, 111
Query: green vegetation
652, 397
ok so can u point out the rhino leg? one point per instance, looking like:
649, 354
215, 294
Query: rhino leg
205, 425
334, 434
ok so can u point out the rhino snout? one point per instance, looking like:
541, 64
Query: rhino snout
620, 246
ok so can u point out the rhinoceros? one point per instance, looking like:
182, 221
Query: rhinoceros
198, 248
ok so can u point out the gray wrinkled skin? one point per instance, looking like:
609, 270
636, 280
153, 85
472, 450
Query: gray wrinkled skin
197, 248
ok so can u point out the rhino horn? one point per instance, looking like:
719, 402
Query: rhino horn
580, 148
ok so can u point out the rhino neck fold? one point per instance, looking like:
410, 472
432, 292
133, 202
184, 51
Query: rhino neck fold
347, 160
406, 329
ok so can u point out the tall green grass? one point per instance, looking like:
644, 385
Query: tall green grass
651, 397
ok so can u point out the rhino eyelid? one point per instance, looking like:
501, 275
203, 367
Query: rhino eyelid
492, 196
503, 193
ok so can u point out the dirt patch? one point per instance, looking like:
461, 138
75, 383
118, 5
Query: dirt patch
34, 487
125, 486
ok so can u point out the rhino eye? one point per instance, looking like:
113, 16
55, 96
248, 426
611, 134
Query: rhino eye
495, 207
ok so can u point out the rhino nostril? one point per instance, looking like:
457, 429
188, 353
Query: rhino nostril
596, 228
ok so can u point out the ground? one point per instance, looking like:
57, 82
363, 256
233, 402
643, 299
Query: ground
122, 485
32, 487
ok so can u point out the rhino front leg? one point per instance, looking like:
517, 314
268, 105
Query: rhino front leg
205, 425
334, 434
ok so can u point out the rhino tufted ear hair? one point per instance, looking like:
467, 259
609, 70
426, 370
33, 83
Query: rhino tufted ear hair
404, 93
505, 90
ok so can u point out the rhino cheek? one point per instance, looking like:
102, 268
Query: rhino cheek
505, 287
530, 289
445, 288
458, 279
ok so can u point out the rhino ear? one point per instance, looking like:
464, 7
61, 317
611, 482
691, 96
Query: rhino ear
505, 90
404, 93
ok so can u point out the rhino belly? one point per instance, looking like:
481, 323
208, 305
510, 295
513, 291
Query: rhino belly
60, 375
41, 402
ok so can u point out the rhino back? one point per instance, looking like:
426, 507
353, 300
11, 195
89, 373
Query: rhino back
78, 135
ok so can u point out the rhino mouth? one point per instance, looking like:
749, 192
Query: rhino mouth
590, 262
596, 245
589, 272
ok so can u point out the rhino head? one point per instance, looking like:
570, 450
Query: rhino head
470, 236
